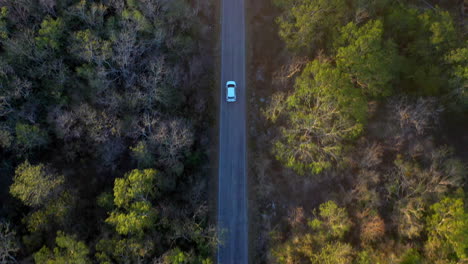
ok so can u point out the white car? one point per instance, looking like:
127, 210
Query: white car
231, 91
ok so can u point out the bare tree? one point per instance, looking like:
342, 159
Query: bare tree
119, 5
29, 111
5, 106
100, 125
64, 123
172, 139
127, 51
296, 218
92, 15
144, 126
19, 11
371, 156
409, 217
86, 123
418, 116
48, 6
20, 88
109, 152
365, 189
110, 99
372, 226
150, 8
8, 243
152, 83
23, 45
414, 181
284, 75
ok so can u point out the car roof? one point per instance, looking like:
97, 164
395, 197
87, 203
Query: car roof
231, 91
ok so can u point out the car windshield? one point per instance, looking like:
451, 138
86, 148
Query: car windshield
230, 85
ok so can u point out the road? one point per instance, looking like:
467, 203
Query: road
232, 184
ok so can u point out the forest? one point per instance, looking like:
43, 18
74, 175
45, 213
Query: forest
105, 110
358, 112
359, 146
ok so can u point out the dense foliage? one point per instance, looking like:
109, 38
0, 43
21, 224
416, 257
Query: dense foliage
372, 60
360, 132
102, 135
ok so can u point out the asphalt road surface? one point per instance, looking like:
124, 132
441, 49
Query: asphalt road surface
232, 194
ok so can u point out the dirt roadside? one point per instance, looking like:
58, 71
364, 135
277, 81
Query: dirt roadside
213, 18
263, 49
273, 189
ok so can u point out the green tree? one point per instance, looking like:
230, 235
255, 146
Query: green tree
334, 253
439, 24
35, 184
103, 75
321, 241
68, 251
50, 33
106, 200
29, 137
459, 75
411, 257
90, 48
370, 61
124, 250
3, 23
423, 39
308, 25
447, 228
54, 212
132, 196
135, 16
364, 257
143, 155
176, 256
332, 221
321, 115
413, 186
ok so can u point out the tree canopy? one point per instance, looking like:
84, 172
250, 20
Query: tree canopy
91, 91
309, 25
322, 114
67, 251
369, 105
321, 241
132, 197
34, 184
447, 228
370, 61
